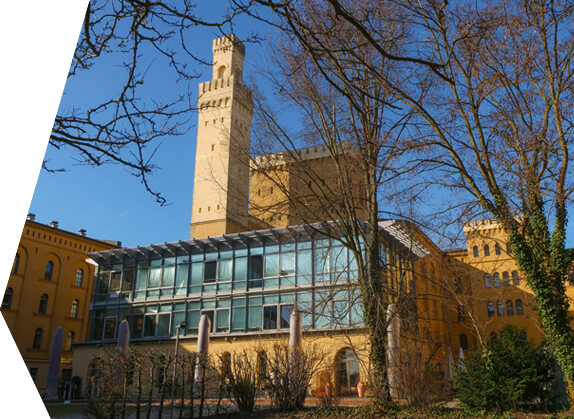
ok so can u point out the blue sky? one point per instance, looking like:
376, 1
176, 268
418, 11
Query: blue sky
107, 201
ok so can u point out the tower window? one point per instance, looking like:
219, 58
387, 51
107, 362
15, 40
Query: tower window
79, 277
74, 309
497, 249
475, 251
486, 250
43, 306
37, 339
220, 72
49, 270
212, 147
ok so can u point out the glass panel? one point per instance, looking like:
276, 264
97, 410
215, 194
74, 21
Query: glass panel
192, 322
238, 319
270, 317
225, 287
288, 282
305, 262
222, 321
339, 258
288, 263
209, 289
149, 325
166, 308
168, 276
210, 314
115, 279
210, 271
285, 319
110, 327
271, 265
137, 325
340, 312
225, 267
254, 318
196, 273
240, 269
255, 267
128, 280
322, 260
154, 277
271, 283
163, 324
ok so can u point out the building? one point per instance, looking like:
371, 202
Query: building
49, 287
253, 257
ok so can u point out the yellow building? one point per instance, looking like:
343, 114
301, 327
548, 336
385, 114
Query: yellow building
49, 287
253, 258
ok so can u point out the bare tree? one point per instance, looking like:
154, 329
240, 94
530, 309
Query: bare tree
125, 126
491, 88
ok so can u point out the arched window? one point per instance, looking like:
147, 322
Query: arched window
496, 278
79, 277
43, 307
49, 270
220, 72
74, 310
16, 263
475, 251
7, 300
486, 250
490, 308
519, 307
509, 308
497, 249
487, 283
500, 308
70, 341
463, 341
515, 278
506, 279
37, 338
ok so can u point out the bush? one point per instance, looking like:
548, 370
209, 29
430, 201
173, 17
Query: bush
511, 373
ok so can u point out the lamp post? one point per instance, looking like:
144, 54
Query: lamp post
177, 328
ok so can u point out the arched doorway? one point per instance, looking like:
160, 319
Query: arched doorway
347, 372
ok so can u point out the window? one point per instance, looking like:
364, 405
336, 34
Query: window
509, 308
16, 263
79, 277
496, 278
255, 270
210, 271
461, 315
43, 307
515, 278
49, 270
486, 250
458, 285
74, 310
508, 248
33, 374
69, 341
463, 341
519, 307
487, 283
500, 308
269, 317
490, 308
497, 249
7, 300
506, 279
285, 319
37, 344
475, 251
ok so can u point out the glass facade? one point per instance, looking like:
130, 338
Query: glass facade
243, 283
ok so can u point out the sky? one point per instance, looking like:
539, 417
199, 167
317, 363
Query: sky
109, 202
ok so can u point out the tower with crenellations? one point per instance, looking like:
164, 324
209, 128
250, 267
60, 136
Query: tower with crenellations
221, 181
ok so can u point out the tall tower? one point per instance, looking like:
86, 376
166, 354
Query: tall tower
221, 182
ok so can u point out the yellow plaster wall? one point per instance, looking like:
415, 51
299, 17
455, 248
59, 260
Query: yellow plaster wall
38, 245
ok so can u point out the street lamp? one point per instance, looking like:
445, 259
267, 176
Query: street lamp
177, 329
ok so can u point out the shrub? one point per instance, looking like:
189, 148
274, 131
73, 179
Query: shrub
511, 373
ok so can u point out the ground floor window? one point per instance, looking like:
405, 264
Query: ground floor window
347, 370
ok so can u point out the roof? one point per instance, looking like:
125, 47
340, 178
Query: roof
392, 231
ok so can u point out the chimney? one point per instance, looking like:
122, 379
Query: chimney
31, 217
82, 232
54, 224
